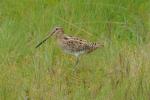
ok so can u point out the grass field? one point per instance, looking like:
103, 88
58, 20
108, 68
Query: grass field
119, 71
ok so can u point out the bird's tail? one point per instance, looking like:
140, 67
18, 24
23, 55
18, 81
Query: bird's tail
99, 45
94, 46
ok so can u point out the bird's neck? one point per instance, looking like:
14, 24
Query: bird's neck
60, 36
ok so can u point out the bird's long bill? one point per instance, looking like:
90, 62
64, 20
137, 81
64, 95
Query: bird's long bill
49, 35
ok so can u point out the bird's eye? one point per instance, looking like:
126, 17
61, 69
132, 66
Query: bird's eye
56, 28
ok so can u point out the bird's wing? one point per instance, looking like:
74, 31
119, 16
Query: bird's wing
75, 44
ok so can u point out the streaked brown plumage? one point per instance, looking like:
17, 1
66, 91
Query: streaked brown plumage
72, 45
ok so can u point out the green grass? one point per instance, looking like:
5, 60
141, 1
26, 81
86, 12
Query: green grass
119, 71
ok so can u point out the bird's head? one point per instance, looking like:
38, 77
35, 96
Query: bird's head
57, 32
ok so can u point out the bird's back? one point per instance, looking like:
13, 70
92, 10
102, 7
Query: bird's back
74, 45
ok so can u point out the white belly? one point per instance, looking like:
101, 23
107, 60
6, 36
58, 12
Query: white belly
74, 53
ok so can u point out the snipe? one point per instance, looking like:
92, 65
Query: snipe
72, 45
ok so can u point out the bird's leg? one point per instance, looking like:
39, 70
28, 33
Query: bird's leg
76, 63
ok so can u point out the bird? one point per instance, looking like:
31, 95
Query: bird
70, 44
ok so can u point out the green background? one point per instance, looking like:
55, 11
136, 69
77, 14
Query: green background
119, 71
